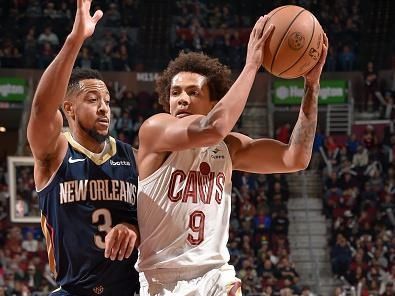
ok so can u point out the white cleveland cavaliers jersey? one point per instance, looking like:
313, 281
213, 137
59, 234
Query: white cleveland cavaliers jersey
184, 209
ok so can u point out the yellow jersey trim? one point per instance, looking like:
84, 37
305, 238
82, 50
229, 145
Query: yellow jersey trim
98, 160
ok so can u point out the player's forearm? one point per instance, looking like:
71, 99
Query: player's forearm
52, 87
227, 111
302, 138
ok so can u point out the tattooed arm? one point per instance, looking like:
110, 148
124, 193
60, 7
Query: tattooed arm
271, 156
302, 138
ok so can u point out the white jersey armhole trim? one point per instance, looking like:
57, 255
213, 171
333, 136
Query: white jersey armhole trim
229, 158
158, 171
50, 179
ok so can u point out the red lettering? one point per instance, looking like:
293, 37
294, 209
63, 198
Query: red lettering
191, 187
206, 183
196, 224
220, 181
177, 176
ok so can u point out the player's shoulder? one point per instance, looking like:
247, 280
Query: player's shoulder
157, 120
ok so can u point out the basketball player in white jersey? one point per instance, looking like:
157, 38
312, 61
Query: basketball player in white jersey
185, 162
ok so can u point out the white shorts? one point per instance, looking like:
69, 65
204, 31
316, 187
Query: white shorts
192, 282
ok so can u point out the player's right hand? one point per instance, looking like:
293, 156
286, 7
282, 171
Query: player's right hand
256, 44
84, 23
120, 241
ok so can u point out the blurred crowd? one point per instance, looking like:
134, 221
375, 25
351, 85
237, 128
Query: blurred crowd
31, 33
359, 200
258, 242
222, 28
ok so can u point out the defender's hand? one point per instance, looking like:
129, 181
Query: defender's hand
84, 23
256, 44
313, 76
120, 241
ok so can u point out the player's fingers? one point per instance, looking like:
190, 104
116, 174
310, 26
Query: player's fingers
79, 3
130, 248
254, 29
324, 51
123, 248
326, 42
109, 242
97, 16
266, 34
260, 25
117, 244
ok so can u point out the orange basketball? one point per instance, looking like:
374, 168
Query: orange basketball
295, 45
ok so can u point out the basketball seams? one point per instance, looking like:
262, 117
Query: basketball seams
307, 47
282, 38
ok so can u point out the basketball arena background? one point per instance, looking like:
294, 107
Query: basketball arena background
326, 231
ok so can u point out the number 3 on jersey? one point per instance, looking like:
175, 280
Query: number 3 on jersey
103, 228
196, 224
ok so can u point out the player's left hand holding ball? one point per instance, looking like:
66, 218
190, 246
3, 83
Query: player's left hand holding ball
120, 241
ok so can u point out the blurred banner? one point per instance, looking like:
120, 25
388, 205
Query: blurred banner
290, 92
12, 89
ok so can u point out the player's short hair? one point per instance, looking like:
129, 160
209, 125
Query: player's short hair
218, 75
79, 74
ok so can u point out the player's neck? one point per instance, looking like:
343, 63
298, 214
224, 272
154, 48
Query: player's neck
87, 141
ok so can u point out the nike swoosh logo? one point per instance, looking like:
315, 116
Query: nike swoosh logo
71, 160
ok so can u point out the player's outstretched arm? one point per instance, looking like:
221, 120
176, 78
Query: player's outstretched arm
164, 132
45, 121
271, 156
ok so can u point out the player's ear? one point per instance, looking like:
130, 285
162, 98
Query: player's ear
68, 108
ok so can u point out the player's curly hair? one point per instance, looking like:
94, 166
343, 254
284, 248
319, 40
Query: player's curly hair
218, 75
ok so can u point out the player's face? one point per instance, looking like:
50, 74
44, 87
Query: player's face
92, 112
189, 94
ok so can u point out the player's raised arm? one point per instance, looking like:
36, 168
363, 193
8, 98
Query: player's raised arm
189, 126
271, 156
45, 121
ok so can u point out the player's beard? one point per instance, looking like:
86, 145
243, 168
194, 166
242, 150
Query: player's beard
94, 134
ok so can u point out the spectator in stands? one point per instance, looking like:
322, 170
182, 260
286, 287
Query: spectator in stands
33, 278
347, 59
389, 289
45, 55
369, 137
112, 17
340, 256
371, 86
48, 37
388, 106
352, 145
30, 244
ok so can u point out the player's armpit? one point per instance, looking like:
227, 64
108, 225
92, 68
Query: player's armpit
261, 155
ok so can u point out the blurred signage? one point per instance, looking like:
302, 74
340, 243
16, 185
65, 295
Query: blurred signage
12, 89
290, 92
147, 76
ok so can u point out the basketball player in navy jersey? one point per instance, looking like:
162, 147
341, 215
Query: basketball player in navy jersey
86, 181
186, 159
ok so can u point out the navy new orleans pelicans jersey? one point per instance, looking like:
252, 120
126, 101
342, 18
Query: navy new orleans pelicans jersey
86, 197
